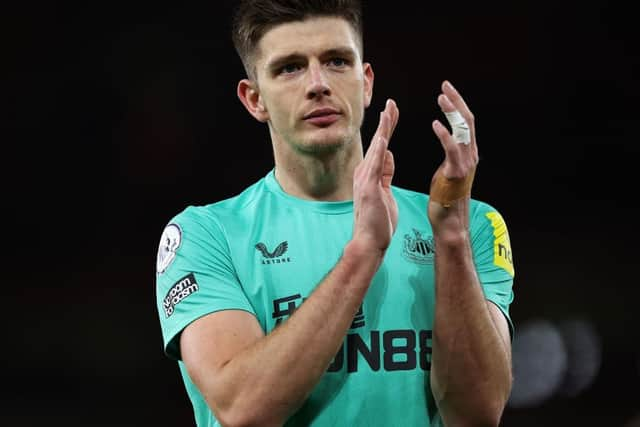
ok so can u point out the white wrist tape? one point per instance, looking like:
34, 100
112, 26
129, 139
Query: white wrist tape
459, 126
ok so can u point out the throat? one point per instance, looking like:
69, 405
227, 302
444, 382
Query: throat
319, 182
318, 175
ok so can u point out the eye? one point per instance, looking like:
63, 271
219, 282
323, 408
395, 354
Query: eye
289, 68
338, 62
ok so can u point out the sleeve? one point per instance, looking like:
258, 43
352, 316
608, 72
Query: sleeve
195, 275
493, 257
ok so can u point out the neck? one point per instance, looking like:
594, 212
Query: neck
326, 176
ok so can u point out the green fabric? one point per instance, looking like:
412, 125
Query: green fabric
264, 251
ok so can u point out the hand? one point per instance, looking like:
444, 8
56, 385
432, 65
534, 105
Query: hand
458, 167
376, 211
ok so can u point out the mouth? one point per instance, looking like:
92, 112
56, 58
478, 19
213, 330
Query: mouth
322, 117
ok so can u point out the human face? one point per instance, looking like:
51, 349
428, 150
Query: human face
312, 84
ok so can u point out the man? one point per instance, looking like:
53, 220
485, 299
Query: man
322, 295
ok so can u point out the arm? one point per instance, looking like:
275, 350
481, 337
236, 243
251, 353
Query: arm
471, 364
249, 378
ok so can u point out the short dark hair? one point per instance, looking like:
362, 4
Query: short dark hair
253, 18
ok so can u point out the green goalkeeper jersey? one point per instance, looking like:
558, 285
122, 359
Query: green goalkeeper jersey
265, 251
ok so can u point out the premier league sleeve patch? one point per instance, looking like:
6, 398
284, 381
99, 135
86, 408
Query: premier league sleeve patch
169, 244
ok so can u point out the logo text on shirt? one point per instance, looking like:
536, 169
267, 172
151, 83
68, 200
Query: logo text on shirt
284, 307
178, 292
275, 257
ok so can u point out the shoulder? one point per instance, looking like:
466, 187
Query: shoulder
216, 213
201, 229
484, 212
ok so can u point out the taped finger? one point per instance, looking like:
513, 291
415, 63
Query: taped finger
459, 127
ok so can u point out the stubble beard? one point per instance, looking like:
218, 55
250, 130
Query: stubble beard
318, 145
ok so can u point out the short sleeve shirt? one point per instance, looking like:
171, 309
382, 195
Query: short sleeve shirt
265, 251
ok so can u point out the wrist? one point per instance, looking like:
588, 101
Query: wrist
362, 259
451, 237
358, 251
355, 269
450, 220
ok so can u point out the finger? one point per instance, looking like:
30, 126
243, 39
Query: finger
460, 105
445, 104
388, 169
451, 167
376, 163
446, 139
374, 159
457, 123
394, 114
385, 121
456, 99
376, 136
386, 124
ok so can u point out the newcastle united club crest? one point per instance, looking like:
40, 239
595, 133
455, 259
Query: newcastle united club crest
417, 248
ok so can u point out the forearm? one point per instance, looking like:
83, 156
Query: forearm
268, 381
471, 375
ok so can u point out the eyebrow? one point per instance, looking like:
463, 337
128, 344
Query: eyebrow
280, 61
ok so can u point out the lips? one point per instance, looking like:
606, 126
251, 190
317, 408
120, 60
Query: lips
322, 116
321, 112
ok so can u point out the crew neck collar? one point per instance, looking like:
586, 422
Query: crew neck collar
319, 206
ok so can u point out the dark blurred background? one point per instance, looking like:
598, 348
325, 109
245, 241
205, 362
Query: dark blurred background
119, 116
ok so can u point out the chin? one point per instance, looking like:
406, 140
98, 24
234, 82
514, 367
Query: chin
325, 140
324, 144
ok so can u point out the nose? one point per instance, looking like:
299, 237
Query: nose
318, 84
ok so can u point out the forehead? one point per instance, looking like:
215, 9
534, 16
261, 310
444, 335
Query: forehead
311, 36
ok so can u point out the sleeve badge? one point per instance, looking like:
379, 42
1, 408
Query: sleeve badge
169, 244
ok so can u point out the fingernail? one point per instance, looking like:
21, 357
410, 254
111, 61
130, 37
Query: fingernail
448, 85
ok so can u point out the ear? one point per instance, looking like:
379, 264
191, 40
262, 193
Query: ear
249, 95
368, 83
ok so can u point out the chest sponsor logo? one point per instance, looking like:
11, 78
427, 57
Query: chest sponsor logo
502, 256
418, 248
389, 350
284, 307
178, 292
169, 244
275, 257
